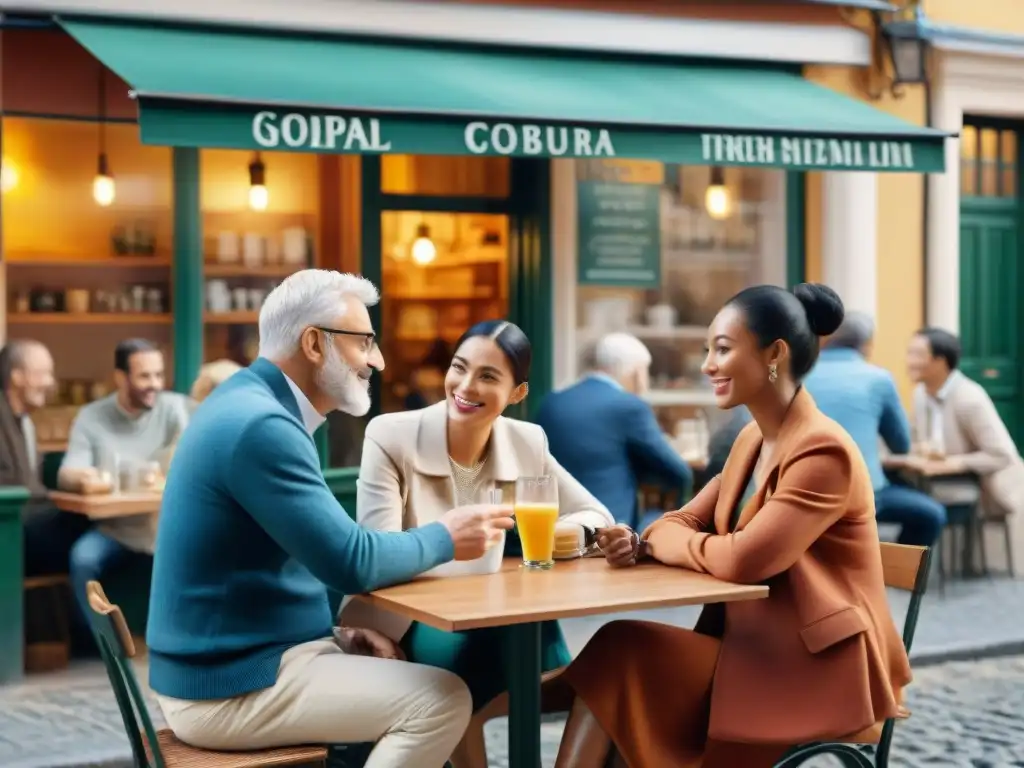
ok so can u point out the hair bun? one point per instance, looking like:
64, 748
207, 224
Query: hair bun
823, 306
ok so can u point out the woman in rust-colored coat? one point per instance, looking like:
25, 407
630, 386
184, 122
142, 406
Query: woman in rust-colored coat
820, 658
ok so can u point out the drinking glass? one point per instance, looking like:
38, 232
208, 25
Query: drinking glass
536, 511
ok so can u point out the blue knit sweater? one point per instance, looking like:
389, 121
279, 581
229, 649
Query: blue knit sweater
249, 536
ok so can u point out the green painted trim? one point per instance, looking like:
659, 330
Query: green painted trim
796, 227
323, 447
12, 575
371, 266
531, 289
341, 479
187, 269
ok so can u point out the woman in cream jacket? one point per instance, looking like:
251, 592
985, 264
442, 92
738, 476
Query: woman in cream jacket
417, 465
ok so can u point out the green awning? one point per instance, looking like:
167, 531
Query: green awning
258, 89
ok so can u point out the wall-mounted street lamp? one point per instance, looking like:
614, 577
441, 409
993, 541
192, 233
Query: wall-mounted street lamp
902, 42
907, 41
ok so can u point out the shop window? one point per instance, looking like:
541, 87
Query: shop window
988, 162
442, 272
444, 176
659, 250
260, 224
87, 261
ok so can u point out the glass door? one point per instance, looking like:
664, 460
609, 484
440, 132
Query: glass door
441, 272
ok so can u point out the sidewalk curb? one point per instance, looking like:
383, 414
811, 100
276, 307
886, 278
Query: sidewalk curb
931, 658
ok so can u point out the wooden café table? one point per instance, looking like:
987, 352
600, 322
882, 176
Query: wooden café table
522, 599
104, 506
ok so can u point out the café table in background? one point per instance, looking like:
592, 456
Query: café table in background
521, 599
924, 474
104, 506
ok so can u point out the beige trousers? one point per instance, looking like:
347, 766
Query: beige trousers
416, 714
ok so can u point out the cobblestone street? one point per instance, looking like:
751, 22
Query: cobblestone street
965, 714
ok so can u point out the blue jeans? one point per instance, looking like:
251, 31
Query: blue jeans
922, 518
93, 555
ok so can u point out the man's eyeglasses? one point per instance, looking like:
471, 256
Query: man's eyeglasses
369, 337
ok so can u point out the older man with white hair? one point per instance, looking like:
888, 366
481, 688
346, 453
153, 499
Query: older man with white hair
605, 433
241, 651
862, 397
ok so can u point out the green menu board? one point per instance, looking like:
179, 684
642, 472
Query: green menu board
619, 234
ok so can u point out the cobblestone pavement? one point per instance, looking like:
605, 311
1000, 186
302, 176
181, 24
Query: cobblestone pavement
966, 714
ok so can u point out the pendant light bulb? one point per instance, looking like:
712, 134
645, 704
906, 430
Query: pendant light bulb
716, 200
103, 188
9, 176
259, 196
423, 249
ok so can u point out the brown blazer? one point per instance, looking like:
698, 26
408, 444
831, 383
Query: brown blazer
820, 658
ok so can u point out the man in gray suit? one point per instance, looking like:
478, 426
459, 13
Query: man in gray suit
953, 417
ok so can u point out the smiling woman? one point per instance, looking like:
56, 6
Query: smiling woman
417, 465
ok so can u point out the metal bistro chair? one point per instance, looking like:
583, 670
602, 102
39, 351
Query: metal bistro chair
904, 568
160, 749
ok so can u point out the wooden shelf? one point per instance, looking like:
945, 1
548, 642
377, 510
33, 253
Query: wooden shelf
133, 262
444, 295
231, 318
88, 318
240, 270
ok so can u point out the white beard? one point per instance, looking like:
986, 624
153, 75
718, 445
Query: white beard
336, 379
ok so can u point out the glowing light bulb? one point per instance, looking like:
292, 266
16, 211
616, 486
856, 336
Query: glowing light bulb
716, 201
103, 189
9, 176
423, 249
259, 197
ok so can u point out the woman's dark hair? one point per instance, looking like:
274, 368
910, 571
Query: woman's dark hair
943, 344
799, 317
510, 340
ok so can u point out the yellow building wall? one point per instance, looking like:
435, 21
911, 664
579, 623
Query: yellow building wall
900, 229
993, 15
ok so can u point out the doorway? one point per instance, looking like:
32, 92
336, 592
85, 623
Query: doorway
990, 276
441, 272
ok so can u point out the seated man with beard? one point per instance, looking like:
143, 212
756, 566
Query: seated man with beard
136, 424
241, 649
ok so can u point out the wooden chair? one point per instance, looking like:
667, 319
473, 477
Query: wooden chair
160, 749
904, 568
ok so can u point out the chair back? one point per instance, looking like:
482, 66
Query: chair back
907, 568
117, 649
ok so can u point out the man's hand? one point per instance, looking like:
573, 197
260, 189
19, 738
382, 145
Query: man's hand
475, 529
618, 544
367, 642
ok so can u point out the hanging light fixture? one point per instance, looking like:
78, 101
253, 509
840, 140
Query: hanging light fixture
103, 189
716, 199
423, 249
259, 197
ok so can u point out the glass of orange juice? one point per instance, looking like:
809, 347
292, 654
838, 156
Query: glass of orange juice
536, 511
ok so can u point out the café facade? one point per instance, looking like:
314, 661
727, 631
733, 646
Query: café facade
472, 160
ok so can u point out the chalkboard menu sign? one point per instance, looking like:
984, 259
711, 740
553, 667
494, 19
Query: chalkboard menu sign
619, 228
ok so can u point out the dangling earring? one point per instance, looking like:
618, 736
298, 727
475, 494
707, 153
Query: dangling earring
773, 373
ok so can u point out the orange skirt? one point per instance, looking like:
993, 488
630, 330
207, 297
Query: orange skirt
649, 685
